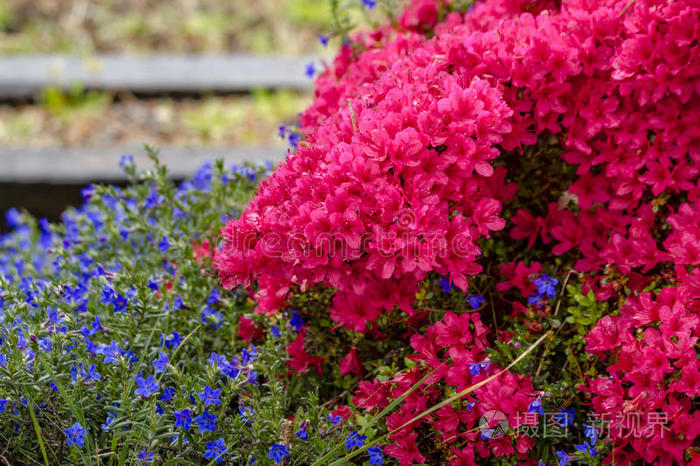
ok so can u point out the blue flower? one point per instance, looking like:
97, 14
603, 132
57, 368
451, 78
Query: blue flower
446, 284
591, 432
536, 407
563, 458
369, 3
90, 374
546, 285
474, 369
310, 70
230, 370
246, 413
277, 453
565, 417
111, 417
478, 367
161, 363
296, 321
354, 440
183, 419
13, 218
3, 360
167, 394
76, 435
126, 160
294, 139
376, 456
213, 317
172, 342
335, 420
216, 360
45, 346
216, 450
475, 301
303, 434
275, 331
586, 448
282, 131
146, 457
164, 244
146, 387
210, 396
206, 422
323, 40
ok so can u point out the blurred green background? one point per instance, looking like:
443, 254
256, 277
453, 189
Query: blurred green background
103, 119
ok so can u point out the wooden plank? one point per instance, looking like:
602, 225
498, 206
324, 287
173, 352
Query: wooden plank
26, 75
82, 165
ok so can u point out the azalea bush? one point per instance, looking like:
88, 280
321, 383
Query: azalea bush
482, 248
539, 157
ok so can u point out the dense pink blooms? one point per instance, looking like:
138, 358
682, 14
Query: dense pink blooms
398, 175
394, 175
461, 342
654, 373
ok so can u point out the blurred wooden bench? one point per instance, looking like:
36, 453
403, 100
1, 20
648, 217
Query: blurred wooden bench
24, 76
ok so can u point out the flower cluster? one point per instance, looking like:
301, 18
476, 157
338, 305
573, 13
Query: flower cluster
116, 338
452, 356
394, 177
646, 401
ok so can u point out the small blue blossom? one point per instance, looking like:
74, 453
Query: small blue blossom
376, 456
164, 244
167, 395
586, 448
563, 458
161, 363
475, 301
303, 434
277, 453
334, 420
275, 331
354, 440
183, 419
146, 387
209, 396
246, 413
591, 433
281, 131
216, 360
3, 360
323, 40
565, 417
126, 161
546, 285
310, 70
294, 139
536, 407
446, 284
216, 450
369, 3
76, 435
13, 218
146, 457
296, 321
206, 421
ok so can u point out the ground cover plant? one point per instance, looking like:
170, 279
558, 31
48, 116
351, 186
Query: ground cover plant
482, 248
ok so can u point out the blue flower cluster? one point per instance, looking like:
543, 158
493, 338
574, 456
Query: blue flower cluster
546, 289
